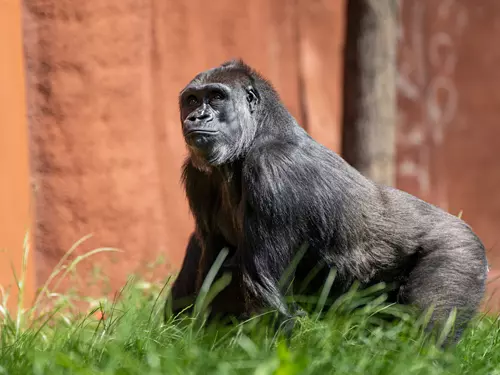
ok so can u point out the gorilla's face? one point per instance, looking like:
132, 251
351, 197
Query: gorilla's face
217, 115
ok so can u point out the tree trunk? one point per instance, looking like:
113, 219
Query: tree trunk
369, 116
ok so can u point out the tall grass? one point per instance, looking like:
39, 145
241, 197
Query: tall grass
128, 336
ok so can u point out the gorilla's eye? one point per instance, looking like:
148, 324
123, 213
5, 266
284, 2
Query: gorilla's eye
191, 100
217, 96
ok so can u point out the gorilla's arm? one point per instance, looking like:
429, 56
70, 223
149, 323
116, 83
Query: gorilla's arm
274, 218
183, 292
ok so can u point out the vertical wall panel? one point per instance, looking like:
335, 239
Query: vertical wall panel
321, 30
449, 103
189, 37
94, 160
15, 208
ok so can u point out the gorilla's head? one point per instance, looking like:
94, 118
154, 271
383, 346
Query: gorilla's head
222, 110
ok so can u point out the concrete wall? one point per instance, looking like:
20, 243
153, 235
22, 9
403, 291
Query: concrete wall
105, 136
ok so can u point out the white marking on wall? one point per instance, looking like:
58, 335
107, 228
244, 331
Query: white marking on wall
426, 78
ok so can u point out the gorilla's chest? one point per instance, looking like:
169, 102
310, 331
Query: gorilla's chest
229, 212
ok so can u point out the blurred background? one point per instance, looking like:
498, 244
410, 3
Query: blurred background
90, 139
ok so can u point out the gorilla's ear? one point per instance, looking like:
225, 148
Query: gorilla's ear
252, 98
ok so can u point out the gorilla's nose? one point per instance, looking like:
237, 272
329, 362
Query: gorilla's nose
199, 124
200, 117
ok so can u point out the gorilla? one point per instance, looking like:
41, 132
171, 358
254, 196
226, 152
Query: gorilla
260, 187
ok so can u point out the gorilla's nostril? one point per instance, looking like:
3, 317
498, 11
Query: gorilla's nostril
200, 116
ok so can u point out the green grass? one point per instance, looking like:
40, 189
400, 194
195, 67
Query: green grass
132, 339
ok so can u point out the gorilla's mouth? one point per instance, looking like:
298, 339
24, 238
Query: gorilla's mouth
200, 138
200, 132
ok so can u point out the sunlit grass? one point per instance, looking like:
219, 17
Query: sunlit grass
126, 335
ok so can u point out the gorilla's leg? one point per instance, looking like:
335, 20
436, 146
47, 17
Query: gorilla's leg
451, 277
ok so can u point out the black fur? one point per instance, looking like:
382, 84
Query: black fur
262, 187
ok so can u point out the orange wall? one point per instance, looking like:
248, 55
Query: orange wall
14, 181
